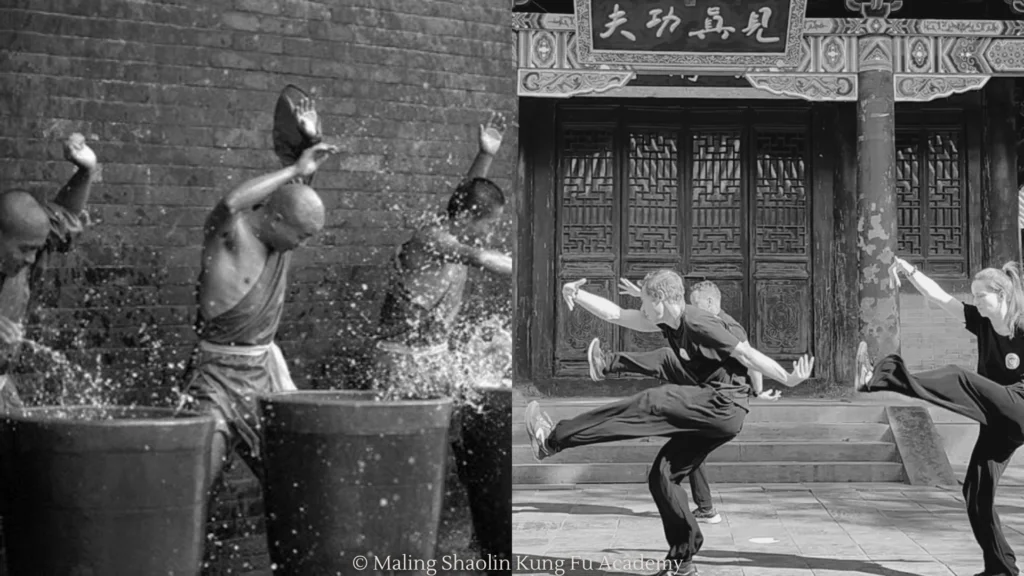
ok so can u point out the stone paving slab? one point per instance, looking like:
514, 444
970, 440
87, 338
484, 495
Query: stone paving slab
815, 530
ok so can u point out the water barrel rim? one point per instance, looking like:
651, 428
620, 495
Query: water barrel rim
316, 398
174, 417
488, 387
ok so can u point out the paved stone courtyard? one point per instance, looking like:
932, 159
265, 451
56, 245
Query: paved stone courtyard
767, 530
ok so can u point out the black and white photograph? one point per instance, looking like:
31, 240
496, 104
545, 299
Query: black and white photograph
775, 319
256, 287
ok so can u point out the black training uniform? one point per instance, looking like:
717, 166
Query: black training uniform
993, 397
697, 418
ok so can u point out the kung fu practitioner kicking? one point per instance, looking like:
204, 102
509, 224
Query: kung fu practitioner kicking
667, 366
697, 418
993, 397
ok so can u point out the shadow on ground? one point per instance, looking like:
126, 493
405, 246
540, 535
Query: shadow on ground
578, 509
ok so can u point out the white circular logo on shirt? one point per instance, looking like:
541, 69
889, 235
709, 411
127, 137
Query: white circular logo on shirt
1012, 361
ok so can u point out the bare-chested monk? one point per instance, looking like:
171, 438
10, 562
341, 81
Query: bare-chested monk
30, 230
249, 238
429, 275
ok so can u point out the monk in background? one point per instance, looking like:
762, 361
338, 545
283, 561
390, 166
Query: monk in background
29, 231
249, 239
428, 277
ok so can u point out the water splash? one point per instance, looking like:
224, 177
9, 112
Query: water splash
66, 383
480, 358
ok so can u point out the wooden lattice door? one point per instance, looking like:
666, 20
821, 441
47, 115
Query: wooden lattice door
716, 197
931, 194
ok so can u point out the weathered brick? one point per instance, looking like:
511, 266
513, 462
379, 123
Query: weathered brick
180, 97
241, 21
259, 6
258, 43
284, 26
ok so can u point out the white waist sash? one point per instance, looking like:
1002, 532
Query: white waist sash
277, 367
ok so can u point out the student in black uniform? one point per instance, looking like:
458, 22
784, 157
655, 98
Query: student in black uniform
666, 365
698, 418
993, 397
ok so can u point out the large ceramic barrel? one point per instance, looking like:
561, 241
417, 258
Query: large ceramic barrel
104, 491
484, 458
351, 481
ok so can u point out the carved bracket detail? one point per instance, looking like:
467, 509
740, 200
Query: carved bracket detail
926, 88
843, 87
816, 88
566, 83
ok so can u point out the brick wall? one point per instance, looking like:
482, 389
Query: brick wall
930, 338
177, 99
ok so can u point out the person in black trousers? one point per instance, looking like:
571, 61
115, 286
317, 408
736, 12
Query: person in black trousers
666, 365
697, 418
993, 397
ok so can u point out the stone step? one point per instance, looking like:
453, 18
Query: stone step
723, 472
644, 451
783, 431
780, 411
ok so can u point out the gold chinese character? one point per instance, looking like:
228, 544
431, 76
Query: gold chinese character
617, 18
759, 23
670, 20
714, 24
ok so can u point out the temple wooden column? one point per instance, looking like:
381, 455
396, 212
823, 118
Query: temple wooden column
999, 176
876, 195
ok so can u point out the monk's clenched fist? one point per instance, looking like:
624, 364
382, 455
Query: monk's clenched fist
78, 152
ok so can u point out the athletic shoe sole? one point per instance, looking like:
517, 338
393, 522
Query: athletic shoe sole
592, 350
533, 416
863, 361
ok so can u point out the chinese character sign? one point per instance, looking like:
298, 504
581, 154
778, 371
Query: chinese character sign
737, 28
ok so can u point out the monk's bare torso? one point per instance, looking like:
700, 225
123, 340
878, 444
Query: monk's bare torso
425, 270
427, 291
233, 260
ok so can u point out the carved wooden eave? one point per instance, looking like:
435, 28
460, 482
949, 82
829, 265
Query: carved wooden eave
931, 59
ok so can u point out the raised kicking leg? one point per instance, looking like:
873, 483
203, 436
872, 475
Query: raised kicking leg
951, 387
1000, 411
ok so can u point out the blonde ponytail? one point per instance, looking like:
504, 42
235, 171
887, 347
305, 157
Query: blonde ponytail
1014, 299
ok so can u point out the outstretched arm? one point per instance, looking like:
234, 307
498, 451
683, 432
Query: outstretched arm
75, 194
753, 359
449, 248
256, 191
490, 142
756, 381
605, 309
927, 287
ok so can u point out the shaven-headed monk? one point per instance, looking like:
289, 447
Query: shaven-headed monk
29, 230
249, 238
429, 275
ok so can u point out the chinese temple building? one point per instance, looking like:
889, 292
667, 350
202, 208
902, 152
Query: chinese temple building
784, 149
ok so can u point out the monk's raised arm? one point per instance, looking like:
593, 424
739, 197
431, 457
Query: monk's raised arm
256, 191
449, 248
490, 143
75, 194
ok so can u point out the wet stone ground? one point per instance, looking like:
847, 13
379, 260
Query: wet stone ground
767, 530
